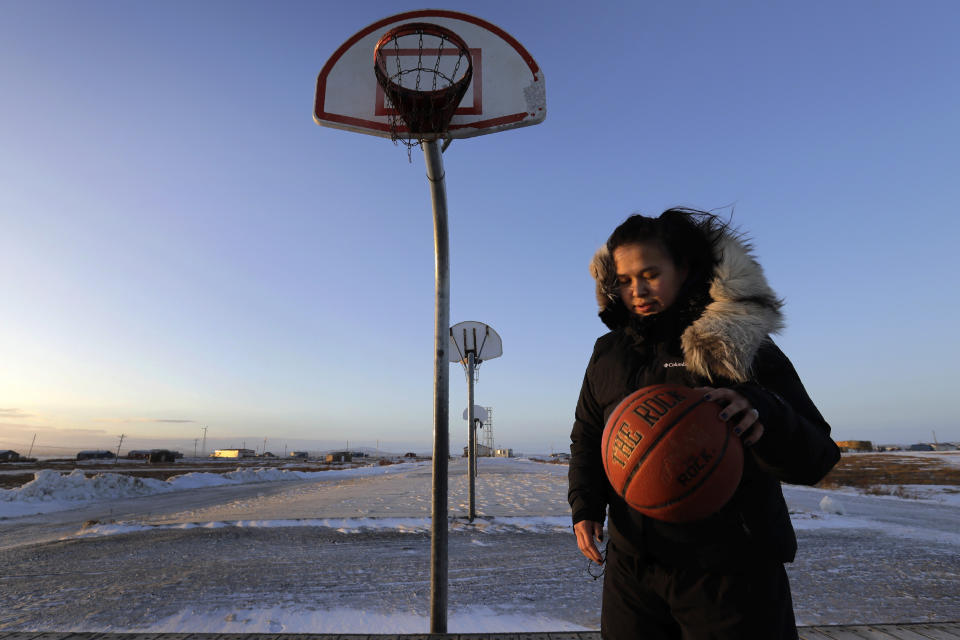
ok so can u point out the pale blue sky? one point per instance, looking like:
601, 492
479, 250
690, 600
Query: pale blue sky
180, 244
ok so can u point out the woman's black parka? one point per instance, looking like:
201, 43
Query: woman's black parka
719, 339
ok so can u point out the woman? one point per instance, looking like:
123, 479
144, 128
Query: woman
687, 304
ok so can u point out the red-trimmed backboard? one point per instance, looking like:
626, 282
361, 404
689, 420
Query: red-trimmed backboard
507, 90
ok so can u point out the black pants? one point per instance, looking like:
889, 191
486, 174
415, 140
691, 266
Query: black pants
649, 601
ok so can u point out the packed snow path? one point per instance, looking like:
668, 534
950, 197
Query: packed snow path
350, 554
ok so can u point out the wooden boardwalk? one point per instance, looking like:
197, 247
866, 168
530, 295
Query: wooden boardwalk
909, 631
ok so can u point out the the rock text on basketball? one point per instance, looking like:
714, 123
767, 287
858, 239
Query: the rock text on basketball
623, 445
657, 405
695, 465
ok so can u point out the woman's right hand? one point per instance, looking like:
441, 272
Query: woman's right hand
587, 531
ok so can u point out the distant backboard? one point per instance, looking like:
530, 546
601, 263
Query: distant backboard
474, 337
479, 413
507, 89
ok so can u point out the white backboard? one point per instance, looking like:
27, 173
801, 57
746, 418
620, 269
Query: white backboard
476, 337
507, 89
479, 413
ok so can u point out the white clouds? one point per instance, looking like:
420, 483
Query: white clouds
15, 413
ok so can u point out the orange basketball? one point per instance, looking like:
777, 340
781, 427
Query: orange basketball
668, 453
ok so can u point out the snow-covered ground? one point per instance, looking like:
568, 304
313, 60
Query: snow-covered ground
274, 550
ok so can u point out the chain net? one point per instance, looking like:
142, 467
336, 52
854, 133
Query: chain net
424, 70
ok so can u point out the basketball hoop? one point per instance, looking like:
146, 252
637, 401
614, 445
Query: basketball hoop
476, 338
424, 78
427, 88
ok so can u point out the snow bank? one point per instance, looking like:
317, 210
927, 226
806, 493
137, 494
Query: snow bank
829, 505
48, 485
55, 491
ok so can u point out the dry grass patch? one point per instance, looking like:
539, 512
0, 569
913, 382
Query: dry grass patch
886, 474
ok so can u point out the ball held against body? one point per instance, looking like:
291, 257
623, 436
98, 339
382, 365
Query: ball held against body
669, 455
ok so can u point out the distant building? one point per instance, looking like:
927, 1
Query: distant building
483, 451
921, 447
503, 453
560, 455
944, 446
9, 456
234, 453
302, 455
855, 445
340, 456
162, 455
95, 455
138, 454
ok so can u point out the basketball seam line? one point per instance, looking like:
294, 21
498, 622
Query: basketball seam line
704, 477
653, 445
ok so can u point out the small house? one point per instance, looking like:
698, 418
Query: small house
99, 454
233, 453
161, 455
483, 451
855, 445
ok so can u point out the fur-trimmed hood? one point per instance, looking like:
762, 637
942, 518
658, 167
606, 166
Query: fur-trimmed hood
742, 312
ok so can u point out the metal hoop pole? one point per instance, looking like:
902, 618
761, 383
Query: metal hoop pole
472, 439
441, 391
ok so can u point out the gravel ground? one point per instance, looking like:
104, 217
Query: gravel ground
856, 576
51, 580
129, 581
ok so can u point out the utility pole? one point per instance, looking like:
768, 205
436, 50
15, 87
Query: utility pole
195, 441
31, 445
118, 449
203, 449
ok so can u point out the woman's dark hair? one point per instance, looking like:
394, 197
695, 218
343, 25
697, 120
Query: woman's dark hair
687, 235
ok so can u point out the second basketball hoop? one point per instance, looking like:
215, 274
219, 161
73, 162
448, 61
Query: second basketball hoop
474, 338
470, 344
